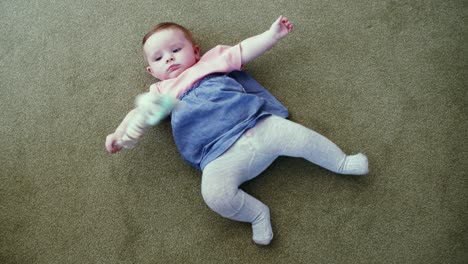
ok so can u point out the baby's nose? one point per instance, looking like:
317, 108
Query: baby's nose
170, 59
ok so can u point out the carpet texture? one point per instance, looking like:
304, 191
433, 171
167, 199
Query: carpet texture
387, 78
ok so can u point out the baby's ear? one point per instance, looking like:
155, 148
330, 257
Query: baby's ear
148, 69
196, 49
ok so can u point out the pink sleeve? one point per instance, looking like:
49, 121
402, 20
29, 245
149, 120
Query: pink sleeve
233, 57
224, 58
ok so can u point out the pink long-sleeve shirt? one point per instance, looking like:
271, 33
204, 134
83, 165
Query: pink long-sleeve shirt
219, 59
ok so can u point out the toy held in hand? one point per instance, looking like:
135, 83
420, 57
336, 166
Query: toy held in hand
151, 108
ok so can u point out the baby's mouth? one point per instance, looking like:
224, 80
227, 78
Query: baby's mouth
173, 67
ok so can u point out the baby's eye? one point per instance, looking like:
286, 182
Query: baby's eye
176, 50
157, 59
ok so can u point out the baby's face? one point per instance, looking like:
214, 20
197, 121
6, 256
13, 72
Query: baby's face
169, 53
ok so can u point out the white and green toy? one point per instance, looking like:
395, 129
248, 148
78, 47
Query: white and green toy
151, 108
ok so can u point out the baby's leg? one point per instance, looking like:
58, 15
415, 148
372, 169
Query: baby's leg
220, 188
285, 138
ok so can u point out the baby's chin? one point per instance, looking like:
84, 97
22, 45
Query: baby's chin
175, 73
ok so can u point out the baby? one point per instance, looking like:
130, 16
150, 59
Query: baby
226, 124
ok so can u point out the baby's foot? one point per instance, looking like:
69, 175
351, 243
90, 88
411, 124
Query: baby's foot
261, 228
356, 165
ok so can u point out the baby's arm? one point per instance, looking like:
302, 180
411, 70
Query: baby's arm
257, 45
150, 109
112, 139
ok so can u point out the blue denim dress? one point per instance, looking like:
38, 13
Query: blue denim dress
216, 111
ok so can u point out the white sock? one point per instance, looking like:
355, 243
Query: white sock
355, 165
261, 229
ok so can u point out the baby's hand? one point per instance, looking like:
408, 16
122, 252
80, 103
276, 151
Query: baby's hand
111, 144
281, 27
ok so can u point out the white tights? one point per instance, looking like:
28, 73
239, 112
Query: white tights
253, 153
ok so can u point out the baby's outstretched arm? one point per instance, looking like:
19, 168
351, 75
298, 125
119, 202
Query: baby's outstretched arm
257, 45
112, 140
150, 109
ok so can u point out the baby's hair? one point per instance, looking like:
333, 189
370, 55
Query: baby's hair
166, 25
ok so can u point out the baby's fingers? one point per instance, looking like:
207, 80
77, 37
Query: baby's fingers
285, 21
116, 147
112, 146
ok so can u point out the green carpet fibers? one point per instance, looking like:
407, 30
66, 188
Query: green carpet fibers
387, 78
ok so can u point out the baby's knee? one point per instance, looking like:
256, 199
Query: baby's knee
220, 200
